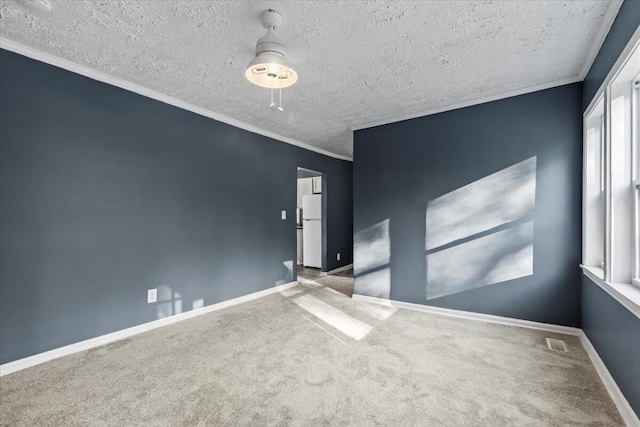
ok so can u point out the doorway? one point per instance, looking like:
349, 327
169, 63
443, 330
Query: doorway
311, 223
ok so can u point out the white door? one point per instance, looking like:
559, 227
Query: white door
312, 243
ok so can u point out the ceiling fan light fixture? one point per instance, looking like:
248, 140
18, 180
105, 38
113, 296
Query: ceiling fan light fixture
269, 68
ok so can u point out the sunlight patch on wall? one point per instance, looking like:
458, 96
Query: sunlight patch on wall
169, 302
375, 284
371, 257
495, 258
288, 266
497, 199
481, 234
371, 247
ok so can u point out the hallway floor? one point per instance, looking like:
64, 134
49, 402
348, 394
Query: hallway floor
310, 356
341, 281
308, 272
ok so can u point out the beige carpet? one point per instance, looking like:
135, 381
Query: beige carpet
311, 356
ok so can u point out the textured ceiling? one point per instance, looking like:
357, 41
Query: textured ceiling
357, 61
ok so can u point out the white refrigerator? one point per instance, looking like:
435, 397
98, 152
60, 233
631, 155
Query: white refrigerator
312, 230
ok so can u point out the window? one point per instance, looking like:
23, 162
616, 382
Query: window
611, 224
593, 244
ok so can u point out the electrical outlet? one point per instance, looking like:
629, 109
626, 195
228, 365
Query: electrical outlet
338, 256
284, 214
152, 296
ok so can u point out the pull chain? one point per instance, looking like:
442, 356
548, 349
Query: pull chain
272, 104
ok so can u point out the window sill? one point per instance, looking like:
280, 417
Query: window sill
626, 294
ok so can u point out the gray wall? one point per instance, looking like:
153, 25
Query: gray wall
404, 169
105, 193
612, 329
625, 24
615, 333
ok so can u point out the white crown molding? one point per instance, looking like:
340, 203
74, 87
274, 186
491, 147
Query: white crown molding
626, 411
471, 315
605, 26
469, 103
37, 359
149, 93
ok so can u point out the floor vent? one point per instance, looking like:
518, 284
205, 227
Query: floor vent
557, 345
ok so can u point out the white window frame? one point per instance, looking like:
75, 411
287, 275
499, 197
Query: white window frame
628, 294
635, 176
594, 235
606, 173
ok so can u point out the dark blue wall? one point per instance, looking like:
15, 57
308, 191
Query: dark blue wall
401, 167
614, 331
105, 193
625, 24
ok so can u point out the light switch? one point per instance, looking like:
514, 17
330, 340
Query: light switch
284, 214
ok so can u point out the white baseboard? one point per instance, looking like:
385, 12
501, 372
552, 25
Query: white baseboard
472, 316
626, 411
37, 359
340, 269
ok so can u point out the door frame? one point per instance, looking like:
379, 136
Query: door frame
325, 210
